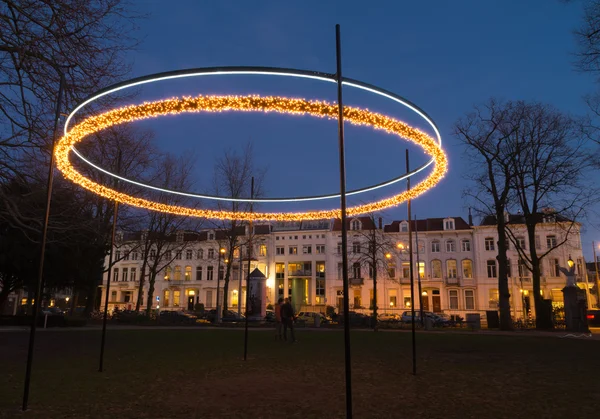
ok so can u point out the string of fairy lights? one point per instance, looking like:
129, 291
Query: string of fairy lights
253, 103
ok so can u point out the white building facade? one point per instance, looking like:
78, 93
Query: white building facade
456, 263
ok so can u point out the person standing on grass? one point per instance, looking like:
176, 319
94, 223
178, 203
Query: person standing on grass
278, 324
287, 317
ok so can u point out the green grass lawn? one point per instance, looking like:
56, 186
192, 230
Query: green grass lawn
200, 373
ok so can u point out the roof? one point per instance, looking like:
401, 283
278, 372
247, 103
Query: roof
257, 273
428, 224
490, 220
366, 223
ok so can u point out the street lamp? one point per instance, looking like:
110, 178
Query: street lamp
597, 277
570, 262
221, 254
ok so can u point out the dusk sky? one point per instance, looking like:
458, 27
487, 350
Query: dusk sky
444, 56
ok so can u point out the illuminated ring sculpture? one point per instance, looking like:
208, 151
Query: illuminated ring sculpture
285, 72
248, 103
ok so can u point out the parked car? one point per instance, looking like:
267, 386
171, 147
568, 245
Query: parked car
229, 316
356, 319
388, 317
442, 320
179, 317
52, 311
309, 317
407, 316
593, 318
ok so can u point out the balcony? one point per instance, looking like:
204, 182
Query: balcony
295, 274
356, 281
173, 283
452, 281
467, 282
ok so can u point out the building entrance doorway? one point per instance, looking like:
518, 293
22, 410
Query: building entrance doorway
190, 304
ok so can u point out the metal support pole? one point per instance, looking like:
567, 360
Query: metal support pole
38, 290
240, 284
248, 277
419, 274
348, 364
110, 262
412, 277
218, 312
597, 278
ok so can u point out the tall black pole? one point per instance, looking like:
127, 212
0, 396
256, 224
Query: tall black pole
248, 277
348, 363
412, 276
217, 312
108, 278
419, 272
38, 290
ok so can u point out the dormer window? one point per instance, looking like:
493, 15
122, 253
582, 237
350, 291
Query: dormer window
211, 236
355, 225
449, 224
404, 227
179, 236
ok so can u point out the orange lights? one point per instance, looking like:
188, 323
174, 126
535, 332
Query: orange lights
355, 116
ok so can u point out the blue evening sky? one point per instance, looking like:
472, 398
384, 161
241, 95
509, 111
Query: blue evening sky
442, 55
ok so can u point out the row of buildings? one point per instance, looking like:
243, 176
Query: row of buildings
455, 261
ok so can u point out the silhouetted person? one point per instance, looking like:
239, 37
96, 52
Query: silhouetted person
287, 318
278, 323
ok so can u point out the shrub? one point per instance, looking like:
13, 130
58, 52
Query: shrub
330, 312
269, 306
199, 308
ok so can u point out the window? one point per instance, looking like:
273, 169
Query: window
450, 246
211, 253
371, 271
279, 270
555, 267
435, 246
339, 248
293, 250
538, 243
355, 247
356, 270
188, 273
551, 242
211, 236
134, 256
152, 254
176, 297
198, 273
320, 249
467, 268
436, 268
521, 243
391, 268
580, 270
508, 268
405, 270
201, 254
320, 269
507, 244
404, 227
355, 225
178, 255
307, 249
177, 274
262, 251
523, 271
466, 245
167, 273
124, 275
451, 268
300, 269
469, 300
489, 244
166, 298
494, 299
236, 252
453, 299
393, 298
491, 269
340, 271
117, 255
116, 275
133, 275
168, 255
126, 255
188, 254
113, 297
280, 250
209, 273
421, 269
221, 272
320, 291
449, 224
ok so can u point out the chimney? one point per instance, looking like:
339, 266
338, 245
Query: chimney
380, 223
470, 218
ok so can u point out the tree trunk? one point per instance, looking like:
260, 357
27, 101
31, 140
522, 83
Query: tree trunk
140, 295
375, 299
506, 322
149, 301
543, 315
226, 283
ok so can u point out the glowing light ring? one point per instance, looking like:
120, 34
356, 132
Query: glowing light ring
354, 116
215, 71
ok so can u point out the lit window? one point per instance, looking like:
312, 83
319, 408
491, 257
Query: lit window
279, 270
494, 298
176, 297
177, 274
293, 250
467, 268
188, 273
436, 268
167, 273
320, 291
166, 298
451, 268
262, 250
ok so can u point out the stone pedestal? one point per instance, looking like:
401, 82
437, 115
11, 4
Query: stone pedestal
257, 296
575, 309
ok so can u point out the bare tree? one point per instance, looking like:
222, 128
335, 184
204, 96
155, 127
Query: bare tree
372, 250
232, 178
549, 182
485, 132
588, 38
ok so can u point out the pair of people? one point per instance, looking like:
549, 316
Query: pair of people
284, 319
